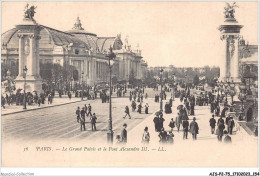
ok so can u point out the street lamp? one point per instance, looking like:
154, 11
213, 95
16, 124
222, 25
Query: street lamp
161, 73
24, 76
82, 85
111, 55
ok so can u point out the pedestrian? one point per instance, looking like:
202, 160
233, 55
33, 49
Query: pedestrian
39, 101
227, 119
118, 138
178, 121
133, 105
172, 124
93, 122
212, 123
163, 136
124, 134
161, 120
78, 114
127, 112
146, 136
146, 108
220, 130
194, 128
231, 124
170, 137
89, 110
185, 125
156, 122
227, 138
220, 120
82, 120
139, 109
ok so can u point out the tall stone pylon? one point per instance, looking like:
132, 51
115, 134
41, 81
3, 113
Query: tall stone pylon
230, 34
28, 33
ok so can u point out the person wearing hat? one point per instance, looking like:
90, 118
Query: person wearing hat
231, 124
172, 124
220, 130
89, 110
227, 138
146, 136
82, 119
156, 122
127, 113
93, 122
194, 128
146, 108
170, 137
163, 136
212, 123
124, 134
78, 114
185, 125
118, 138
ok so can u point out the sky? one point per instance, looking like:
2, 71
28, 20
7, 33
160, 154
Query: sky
183, 34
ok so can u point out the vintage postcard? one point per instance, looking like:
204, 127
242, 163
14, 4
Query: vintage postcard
129, 84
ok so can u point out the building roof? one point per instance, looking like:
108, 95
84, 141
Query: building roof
59, 38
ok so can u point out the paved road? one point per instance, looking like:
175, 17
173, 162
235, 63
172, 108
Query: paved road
60, 122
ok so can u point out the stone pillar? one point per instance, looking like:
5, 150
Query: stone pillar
21, 59
236, 76
28, 33
230, 31
91, 72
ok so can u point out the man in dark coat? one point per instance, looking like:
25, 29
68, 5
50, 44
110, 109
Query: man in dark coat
156, 122
89, 110
127, 112
194, 128
212, 123
163, 136
220, 130
185, 125
124, 134
78, 114
227, 138
220, 120
160, 122
231, 124
82, 120
93, 122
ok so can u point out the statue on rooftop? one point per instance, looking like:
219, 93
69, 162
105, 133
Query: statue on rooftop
29, 12
230, 10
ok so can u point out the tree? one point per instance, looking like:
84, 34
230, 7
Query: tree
132, 78
196, 80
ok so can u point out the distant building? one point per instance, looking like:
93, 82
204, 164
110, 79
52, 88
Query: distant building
82, 49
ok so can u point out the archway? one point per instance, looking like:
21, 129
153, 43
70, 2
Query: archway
249, 115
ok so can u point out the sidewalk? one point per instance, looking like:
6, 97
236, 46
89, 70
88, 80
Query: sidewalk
12, 109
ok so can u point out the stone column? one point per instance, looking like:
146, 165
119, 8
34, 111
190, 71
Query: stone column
91, 71
37, 57
236, 61
21, 59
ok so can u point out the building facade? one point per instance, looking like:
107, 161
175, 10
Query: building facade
84, 50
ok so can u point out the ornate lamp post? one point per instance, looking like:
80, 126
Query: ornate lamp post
111, 55
161, 104
82, 85
24, 76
